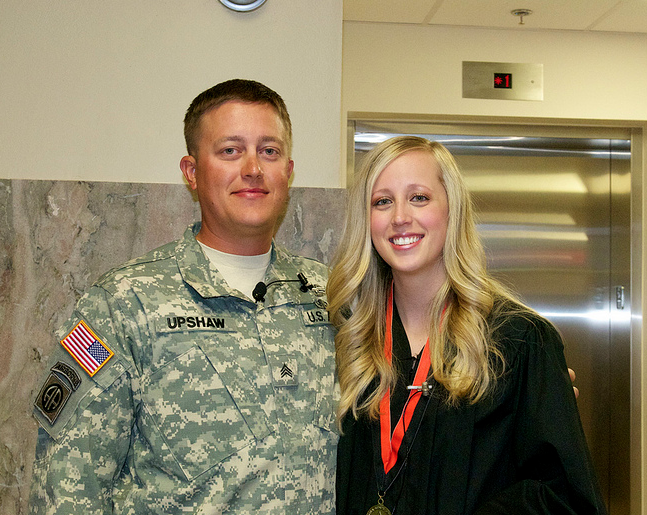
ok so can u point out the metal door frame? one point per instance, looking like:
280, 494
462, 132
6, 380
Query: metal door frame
636, 132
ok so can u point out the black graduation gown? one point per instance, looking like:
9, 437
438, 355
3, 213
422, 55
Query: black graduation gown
521, 451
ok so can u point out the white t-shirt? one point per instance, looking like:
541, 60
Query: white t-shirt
240, 272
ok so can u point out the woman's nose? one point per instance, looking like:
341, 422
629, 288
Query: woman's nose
401, 214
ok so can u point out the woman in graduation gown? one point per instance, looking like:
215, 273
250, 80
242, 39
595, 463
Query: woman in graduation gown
455, 397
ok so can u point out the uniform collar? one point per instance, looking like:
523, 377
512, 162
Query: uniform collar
285, 267
196, 269
208, 282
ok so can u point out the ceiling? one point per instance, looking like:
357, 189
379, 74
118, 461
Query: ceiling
585, 15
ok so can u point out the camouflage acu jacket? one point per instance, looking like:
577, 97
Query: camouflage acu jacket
172, 393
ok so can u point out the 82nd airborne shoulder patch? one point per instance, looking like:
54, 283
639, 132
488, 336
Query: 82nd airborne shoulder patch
58, 387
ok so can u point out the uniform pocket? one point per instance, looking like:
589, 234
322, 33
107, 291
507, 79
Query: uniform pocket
327, 395
195, 413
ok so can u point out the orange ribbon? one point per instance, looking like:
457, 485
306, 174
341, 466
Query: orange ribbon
390, 444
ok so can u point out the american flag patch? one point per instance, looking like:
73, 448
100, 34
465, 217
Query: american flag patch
86, 348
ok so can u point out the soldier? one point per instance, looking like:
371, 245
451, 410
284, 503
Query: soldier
199, 378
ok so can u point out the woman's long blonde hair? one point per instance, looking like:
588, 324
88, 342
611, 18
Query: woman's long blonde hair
463, 358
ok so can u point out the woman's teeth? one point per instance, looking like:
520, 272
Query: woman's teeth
405, 240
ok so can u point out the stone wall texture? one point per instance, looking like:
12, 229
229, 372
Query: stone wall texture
56, 238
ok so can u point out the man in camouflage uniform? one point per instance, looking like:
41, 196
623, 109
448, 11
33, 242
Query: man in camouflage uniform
175, 389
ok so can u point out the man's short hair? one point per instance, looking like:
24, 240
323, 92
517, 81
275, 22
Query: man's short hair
235, 89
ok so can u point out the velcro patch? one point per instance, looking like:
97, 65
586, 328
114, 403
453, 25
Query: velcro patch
56, 391
86, 348
317, 316
285, 373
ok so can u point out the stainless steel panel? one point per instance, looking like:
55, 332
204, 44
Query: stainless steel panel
554, 216
526, 80
619, 338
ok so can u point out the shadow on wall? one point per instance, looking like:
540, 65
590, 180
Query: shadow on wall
56, 238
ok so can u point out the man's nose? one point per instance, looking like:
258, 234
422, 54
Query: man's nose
252, 166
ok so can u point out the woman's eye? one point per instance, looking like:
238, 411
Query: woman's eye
420, 198
381, 202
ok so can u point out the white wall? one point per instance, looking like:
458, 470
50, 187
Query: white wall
97, 90
414, 69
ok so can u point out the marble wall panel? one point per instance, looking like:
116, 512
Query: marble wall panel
56, 238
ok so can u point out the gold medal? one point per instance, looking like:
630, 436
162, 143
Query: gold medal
378, 509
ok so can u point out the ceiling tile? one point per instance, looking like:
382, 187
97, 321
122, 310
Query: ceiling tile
546, 14
593, 15
628, 16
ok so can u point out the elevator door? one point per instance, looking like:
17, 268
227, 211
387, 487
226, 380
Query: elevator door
553, 212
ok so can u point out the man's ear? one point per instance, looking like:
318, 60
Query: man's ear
188, 167
290, 168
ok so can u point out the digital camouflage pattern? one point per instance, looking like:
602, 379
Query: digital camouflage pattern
212, 403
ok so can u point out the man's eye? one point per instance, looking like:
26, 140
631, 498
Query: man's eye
271, 151
228, 151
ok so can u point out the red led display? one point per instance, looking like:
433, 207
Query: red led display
503, 80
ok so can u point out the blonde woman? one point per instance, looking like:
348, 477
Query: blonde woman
455, 398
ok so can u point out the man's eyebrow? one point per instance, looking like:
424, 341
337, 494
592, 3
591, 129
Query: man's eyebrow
240, 139
271, 139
